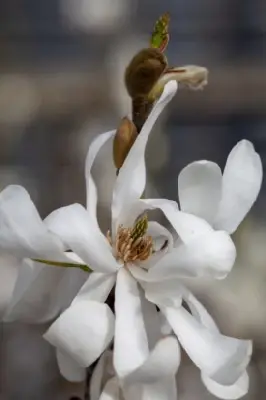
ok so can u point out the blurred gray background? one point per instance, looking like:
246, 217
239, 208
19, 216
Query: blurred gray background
61, 83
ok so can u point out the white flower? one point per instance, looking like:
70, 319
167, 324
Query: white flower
87, 327
125, 258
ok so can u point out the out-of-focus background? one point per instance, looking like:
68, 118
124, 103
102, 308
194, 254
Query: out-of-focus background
61, 83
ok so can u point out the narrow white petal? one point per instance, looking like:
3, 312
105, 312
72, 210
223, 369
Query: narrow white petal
132, 360
97, 287
200, 189
111, 390
83, 331
207, 255
131, 180
70, 370
227, 392
242, 180
130, 344
36, 297
22, 232
222, 358
94, 148
152, 321
74, 226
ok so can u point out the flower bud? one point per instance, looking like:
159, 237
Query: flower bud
124, 139
143, 71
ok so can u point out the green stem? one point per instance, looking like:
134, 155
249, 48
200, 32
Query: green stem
63, 264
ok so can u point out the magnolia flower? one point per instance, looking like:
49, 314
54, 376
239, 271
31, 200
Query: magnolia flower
141, 259
141, 251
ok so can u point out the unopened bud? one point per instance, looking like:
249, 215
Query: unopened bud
193, 76
124, 139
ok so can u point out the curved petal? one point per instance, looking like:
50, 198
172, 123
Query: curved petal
91, 190
163, 242
199, 311
131, 180
228, 392
132, 360
165, 293
200, 189
222, 358
22, 232
70, 370
233, 391
130, 343
207, 255
164, 389
242, 180
163, 362
187, 226
36, 297
83, 331
74, 226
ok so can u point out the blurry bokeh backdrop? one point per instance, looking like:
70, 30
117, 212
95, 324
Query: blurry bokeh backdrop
61, 83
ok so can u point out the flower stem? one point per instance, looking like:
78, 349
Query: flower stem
84, 267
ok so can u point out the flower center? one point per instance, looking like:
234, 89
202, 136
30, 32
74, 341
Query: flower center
132, 244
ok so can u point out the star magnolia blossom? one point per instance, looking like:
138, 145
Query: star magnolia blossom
141, 259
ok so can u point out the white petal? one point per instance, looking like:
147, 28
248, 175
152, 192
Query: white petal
152, 321
162, 362
74, 226
132, 360
131, 180
200, 189
83, 331
187, 226
22, 232
36, 298
164, 389
199, 311
164, 293
111, 390
242, 180
159, 236
162, 241
96, 288
94, 148
130, 344
230, 392
70, 370
207, 255
222, 358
